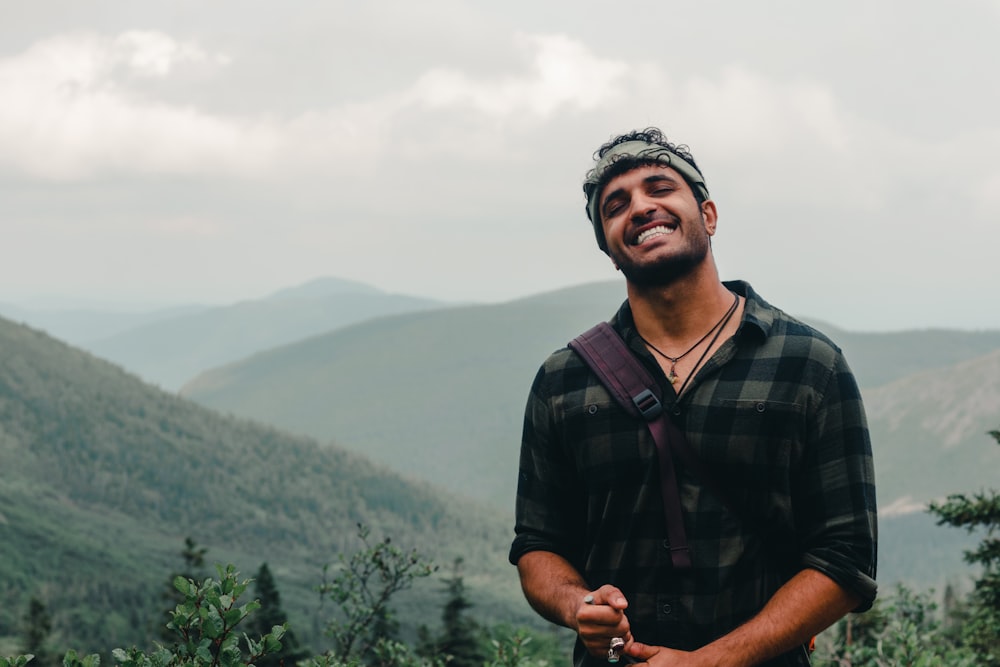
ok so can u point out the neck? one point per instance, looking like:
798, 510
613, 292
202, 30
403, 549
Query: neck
681, 310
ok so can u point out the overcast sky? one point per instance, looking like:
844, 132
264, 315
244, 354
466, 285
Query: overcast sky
217, 151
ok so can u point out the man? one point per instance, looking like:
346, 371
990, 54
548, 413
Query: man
772, 411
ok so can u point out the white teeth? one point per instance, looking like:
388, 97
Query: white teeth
653, 231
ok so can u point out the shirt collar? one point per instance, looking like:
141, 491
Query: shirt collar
758, 317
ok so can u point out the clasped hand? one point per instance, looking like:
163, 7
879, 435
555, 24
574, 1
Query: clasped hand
601, 617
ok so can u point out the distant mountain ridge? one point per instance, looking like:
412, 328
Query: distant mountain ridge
80, 326
171, 351
323, 287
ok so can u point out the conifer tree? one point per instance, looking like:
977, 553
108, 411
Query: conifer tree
37, 625
459, 641
269, 615
981, 631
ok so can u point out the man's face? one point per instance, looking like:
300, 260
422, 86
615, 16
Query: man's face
655, 230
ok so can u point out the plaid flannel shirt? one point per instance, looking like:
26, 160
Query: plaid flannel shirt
775, 414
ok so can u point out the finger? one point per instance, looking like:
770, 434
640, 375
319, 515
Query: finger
604, 621
639, 651
608, 595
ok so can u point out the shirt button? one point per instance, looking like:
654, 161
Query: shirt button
760, 407
667, 609
676, 411
592, 409
666, 544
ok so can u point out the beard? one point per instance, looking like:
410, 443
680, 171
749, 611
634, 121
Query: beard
667, 270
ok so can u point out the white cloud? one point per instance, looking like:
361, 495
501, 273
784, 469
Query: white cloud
72, 114
155, 54
67, 115
72, 111
562, 73
748, 114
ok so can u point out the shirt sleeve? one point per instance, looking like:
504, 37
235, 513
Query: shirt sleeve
547, 510
838, 518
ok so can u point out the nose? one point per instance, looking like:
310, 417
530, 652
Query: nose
641, 207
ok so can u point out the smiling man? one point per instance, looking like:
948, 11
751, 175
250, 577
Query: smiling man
754, 527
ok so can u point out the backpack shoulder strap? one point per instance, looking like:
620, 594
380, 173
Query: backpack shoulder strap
619, 371
638, 393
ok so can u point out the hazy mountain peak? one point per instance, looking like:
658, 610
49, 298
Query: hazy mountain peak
325, 286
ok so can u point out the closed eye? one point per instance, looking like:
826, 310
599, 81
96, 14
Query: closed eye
613, 207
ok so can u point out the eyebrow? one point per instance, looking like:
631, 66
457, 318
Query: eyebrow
649, 180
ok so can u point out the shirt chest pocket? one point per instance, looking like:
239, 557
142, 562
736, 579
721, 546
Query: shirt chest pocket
761, 423
756, 454
607, 444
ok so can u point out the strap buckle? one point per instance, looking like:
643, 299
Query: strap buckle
648, 404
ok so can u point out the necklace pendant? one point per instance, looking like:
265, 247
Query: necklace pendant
672, 376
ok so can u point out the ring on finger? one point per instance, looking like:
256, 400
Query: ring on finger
614, 649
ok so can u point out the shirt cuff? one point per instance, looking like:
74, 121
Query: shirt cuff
847, 577
525, 542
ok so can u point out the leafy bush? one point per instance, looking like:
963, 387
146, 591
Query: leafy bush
905, 631
205, 626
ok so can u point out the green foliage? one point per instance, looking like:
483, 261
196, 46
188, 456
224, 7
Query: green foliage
362, 589
194, 566
519, 647
71, 659
981, 629
903, 632
16, 660
205, 625
205, 622
510, 652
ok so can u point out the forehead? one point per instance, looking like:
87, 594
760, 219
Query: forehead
641, 177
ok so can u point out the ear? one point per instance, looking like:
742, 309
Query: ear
710, 215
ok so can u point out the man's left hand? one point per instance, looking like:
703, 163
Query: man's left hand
660, 656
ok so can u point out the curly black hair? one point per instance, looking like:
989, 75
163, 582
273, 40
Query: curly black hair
651, 135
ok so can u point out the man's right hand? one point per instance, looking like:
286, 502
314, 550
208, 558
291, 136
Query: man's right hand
600, 617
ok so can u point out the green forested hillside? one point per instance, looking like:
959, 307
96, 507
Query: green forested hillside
103, 477
437, 393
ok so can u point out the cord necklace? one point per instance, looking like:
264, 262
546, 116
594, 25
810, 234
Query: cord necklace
720, 325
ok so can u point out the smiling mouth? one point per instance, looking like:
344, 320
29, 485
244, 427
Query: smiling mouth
652, 232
